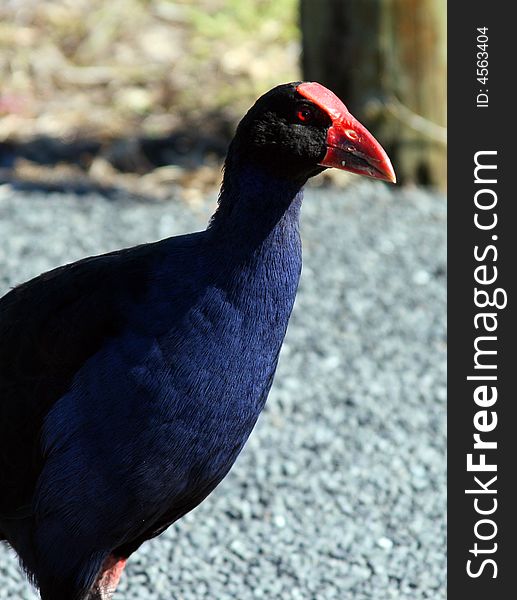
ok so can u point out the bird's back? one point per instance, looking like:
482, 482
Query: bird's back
49, 327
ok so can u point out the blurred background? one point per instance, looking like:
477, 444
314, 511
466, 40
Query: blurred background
155, 87
115, 116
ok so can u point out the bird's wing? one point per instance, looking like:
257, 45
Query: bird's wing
49, 327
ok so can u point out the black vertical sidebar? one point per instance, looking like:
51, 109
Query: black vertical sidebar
482, 253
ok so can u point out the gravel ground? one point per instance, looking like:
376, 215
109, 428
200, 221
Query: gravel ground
340, 492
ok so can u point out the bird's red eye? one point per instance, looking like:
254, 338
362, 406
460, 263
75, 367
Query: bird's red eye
304, 114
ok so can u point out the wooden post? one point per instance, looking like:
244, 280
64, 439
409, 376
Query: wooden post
387, 60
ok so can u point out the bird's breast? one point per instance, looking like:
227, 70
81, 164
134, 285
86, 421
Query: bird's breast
162, 411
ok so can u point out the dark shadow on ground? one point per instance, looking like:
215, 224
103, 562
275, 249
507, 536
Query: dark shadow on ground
188, 147
76, 185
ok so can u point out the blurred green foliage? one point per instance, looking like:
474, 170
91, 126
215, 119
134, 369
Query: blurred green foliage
242, 19
253, 45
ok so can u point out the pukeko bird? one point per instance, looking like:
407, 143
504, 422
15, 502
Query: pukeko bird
130, 381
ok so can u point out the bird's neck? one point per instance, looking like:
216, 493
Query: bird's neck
256, 209
256, 229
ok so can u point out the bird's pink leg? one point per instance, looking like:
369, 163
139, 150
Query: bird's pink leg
108, 578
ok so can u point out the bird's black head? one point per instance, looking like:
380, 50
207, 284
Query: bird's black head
296, 130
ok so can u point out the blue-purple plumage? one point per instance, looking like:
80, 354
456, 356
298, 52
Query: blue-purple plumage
156, 416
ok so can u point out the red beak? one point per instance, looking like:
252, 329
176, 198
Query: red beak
350, 146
